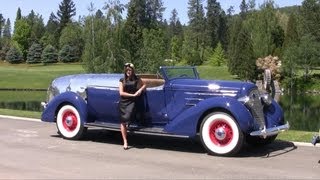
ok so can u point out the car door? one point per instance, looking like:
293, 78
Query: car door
103, 103
155, 110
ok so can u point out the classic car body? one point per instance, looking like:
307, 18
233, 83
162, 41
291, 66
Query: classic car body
224, 114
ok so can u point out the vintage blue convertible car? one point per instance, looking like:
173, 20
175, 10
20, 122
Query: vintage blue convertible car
224, 114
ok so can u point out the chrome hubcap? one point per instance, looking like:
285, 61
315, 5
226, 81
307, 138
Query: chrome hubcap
220, 133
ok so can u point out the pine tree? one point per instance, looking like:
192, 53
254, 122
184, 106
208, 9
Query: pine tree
2, 23
153, 51
223, 30
310, 13
292, 33
133, 28
19, 16
175, 25
176, 48
6, 40
195, 43
218, 57
7, 29
51, 35
14, 55
34, 54
243, 9
175, 37
245, 60
66, 11
213, 22
68, 54
49, 55
154, 13
266, 32
36, 26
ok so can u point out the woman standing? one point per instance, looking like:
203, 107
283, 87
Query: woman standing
130, 87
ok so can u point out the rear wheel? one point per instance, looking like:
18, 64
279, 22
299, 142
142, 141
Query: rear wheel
220, 134
69, 123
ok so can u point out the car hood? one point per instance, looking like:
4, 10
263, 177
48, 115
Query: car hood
79, 82
227, 88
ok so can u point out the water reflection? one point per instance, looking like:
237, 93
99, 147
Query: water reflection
302, 111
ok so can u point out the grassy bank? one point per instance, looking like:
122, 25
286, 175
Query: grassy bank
18, 113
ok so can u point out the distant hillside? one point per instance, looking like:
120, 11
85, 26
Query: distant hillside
289, 9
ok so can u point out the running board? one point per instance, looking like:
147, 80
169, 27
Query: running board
134, 129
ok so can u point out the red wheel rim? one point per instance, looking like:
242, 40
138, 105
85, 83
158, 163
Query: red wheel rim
220, 133
69, 121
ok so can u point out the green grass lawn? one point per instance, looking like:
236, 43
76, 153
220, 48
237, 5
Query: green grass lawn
211, 72
34, 76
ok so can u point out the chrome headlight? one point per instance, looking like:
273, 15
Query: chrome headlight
251, 98
247, 100
266, 99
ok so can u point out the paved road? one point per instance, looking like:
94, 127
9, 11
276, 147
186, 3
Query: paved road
33, 150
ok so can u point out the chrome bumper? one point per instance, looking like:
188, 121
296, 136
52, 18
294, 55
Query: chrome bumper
270, 131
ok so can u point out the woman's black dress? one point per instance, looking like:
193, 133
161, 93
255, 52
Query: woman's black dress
127, 105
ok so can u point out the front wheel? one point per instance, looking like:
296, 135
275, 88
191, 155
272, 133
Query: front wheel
220, 134
69, 123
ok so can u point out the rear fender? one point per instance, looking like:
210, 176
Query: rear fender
49, 113
187, 122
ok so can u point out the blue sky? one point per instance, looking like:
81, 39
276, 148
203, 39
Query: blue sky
45, 7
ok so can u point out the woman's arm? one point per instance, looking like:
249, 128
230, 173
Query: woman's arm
142, 88
124, 94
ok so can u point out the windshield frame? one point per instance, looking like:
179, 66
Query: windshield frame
179, 72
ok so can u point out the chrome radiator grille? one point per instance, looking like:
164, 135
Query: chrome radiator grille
256, 108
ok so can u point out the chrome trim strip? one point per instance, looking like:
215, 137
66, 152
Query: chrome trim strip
211, 94
102, 87
270, 131
190, 104
194, 99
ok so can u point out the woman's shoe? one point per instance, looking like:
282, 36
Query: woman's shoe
125, 147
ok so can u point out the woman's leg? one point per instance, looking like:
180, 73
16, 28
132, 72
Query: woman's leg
123, 128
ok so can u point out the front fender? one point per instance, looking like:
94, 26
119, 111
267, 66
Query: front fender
49, 113
274, 115
186, 123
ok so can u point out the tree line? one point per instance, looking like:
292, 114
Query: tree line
104, 40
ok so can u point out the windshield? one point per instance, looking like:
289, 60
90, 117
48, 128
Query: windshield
180, 72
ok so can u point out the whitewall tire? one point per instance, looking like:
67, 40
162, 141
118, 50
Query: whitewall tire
69, 122
220, 134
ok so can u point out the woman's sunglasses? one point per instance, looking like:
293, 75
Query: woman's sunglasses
129, 65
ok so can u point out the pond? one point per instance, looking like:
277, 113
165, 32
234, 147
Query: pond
301, 111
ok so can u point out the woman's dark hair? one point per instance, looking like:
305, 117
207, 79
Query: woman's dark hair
133, 76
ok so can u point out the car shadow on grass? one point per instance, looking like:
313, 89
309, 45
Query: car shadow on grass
190, 145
